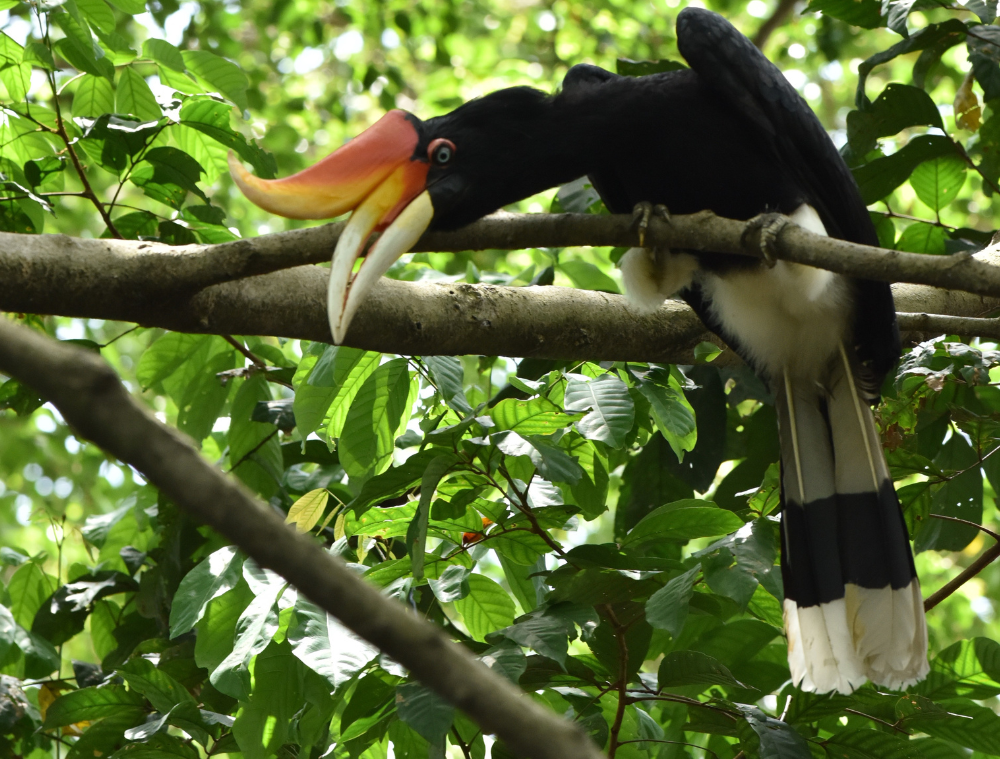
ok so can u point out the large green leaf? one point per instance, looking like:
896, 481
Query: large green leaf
486, 609
667, 608
93, 97
327, 647
424, 710
367, 442
538, 416
210, 578
694, 668
611, 412
226, 77
683, 521
883, 175
937, 182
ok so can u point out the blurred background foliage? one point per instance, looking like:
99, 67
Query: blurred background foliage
152, 97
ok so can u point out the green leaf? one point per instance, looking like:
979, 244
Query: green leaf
683, 521
98, 14
898, 107
416, 535
519, 546
159, 688
163, 53
254, 447
425, 711
349, 370
586, 276
627, 67
923, 238
866, 743
92, 704
694, 668
552, 462
864, 13
611, 411
367, 442
776, 740
667, 608
486, 609
883, 175
212, 118
209, 154
546, 631
452, 585
16, 80
961, 496
10, 51
255, 629
132, 7
94, 97
209, 579
448, 374
168, 174
736, 642
672, 413
538, 416
937, 182
28, 587
327, 647
226, 77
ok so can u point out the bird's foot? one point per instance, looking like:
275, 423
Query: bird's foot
641, 214
764, 230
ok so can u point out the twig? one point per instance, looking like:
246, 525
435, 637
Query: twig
623, 697
252, 451
772, 22
88, 191
247, 353
876, 719
985, 559
967, 522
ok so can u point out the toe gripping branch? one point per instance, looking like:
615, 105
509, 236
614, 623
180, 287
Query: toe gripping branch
760, 235
641, 214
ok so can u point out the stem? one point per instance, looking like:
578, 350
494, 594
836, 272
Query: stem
88, 191
244, 350
623, 698
987, 558
252, 451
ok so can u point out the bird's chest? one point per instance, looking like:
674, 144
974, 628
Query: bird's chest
787, 318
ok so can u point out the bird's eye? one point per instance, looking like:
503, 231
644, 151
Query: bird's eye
441, 152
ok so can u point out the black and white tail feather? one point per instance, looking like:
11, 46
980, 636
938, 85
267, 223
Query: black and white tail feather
853, 608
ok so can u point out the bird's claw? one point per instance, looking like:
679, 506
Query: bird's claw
766, 227
642, 213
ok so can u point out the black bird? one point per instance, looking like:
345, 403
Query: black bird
732, 136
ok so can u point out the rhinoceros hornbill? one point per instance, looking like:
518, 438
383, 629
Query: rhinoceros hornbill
732, 136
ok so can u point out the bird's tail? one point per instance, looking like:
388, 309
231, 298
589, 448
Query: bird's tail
853, 609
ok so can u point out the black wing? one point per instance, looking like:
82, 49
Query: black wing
728, 62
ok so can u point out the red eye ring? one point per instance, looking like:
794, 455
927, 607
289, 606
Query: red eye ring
441, 152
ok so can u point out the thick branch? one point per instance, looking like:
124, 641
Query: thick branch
162, 270
90, 396
95, 279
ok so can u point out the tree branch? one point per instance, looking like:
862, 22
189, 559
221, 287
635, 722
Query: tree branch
772, 22
90, 396
198, 289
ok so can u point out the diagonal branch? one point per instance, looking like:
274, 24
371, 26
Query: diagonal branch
90, 396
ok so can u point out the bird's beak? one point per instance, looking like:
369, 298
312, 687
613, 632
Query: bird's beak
379, 177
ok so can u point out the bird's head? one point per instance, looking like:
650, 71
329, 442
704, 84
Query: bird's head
403, 175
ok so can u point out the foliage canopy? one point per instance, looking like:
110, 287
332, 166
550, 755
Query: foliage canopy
602, 534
